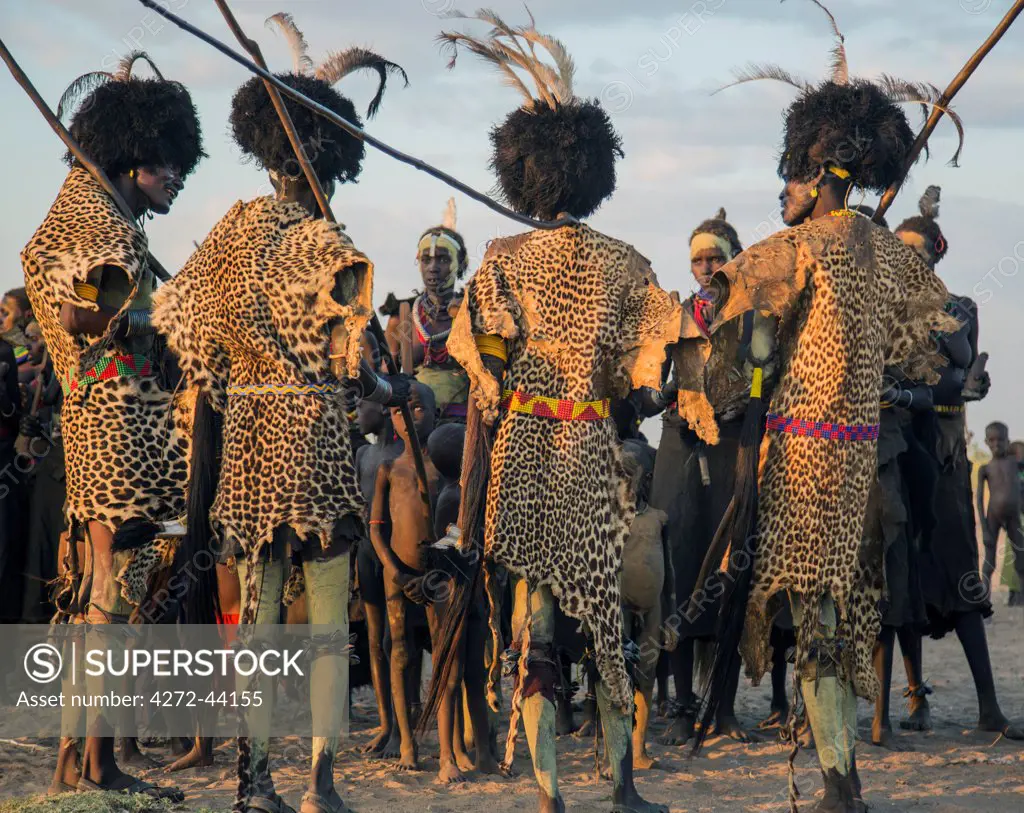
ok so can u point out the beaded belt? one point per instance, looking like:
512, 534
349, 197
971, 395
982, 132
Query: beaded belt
106, 368
950, 410
821, 429
324, 388
557, 408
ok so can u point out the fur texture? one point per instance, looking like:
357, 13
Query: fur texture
854, 126
122, 125
549, 161
257, 130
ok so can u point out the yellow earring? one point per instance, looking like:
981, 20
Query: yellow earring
131, 173
814, 192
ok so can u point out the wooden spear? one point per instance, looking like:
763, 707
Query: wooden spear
943, 102
325, 207
95, 170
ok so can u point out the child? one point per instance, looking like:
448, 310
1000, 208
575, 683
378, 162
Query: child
399, 529
1004, 504
1009, 572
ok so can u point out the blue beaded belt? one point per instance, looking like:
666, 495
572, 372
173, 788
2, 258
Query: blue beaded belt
821, 429
325, 388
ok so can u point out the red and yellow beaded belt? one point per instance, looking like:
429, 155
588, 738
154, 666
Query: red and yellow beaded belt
943, 409
106, 368
558, 408
821, 429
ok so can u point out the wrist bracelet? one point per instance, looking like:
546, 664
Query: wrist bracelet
381, 393
138, 323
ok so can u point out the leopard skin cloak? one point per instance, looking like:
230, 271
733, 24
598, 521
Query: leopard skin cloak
126, 442
850, 299
251, 308
583, 319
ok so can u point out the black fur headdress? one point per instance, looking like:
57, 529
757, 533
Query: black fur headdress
335, 154
927, 224
123, 122
720, 227
555, 154
850, 124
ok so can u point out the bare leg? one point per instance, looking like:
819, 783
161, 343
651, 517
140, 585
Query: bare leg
401, 670
726, 724
990, 542
646, 673
662, 683
881, 726
920, 717
780, 699
971, 632
449, 772
384, 743
681, 728
475, 683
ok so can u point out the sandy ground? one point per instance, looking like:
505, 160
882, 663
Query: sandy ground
953, 768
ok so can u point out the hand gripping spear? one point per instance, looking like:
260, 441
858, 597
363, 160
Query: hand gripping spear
325, 207
943, 101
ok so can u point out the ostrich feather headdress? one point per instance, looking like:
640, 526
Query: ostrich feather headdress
848, 123
124, 122
335, 154
556, 153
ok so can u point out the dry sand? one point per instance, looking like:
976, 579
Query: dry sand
952, 769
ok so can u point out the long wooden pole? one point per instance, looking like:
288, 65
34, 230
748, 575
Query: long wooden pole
94, 169
351, 128
944, 100
325, 207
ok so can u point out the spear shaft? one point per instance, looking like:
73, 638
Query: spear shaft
944, 100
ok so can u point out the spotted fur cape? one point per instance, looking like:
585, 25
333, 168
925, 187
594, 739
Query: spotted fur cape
126, 443
251, 308
583, 319
850, 298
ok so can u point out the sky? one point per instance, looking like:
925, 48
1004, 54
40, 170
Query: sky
654, 64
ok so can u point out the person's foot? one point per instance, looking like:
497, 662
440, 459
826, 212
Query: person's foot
487, 765
776, 719
377, 744
198, 757
632, 802
642, 761
449, 774
585, 730
679, 730
129, 754
408, 760
730, 727
882, 737
393, 747
920, 717
997, 721
317, 802
841, 795
464, 761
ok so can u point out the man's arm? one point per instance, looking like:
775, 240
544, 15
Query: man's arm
380, 516
79, 321
980, 498
669, 599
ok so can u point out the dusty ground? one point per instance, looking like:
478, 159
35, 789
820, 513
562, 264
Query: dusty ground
952, 769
